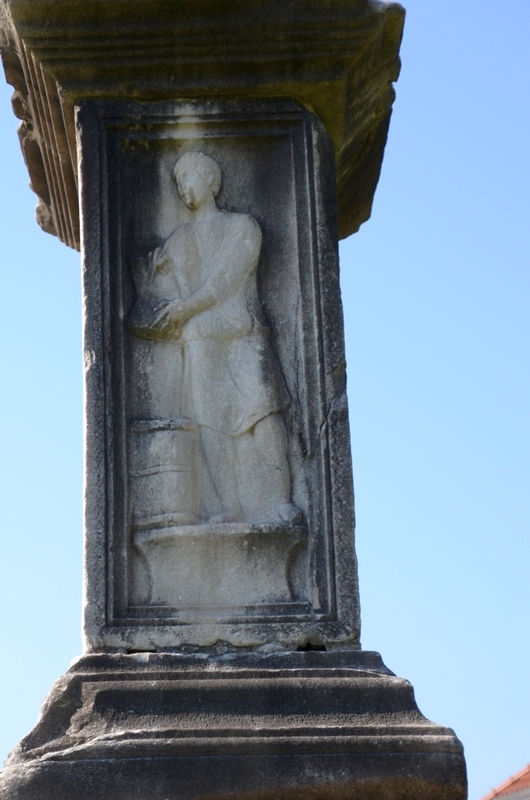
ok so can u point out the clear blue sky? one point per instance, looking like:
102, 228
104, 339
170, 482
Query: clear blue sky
436, 294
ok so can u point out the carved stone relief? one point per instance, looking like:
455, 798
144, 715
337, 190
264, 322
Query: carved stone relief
219, 359
201, 294
224, 458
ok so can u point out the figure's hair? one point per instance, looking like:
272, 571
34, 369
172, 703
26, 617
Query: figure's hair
207, 166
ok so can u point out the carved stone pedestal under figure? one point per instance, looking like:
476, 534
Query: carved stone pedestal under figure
217, 151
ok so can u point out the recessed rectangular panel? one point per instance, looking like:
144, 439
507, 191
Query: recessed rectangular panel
219, 501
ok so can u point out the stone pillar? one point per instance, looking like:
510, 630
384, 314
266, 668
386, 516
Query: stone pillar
206, 157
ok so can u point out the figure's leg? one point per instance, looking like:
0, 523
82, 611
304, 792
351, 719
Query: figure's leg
219, 454
270, 440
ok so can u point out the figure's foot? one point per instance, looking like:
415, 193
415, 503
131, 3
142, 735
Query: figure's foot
290, 514
224, 516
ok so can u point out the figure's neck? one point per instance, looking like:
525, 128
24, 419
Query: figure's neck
207, 209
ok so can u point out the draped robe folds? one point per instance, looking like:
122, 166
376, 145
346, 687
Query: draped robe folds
231, 379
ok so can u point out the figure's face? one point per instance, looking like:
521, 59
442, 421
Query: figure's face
193, 187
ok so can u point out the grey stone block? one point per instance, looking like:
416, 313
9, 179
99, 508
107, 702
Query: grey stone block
208, 155
163, 567
291, 726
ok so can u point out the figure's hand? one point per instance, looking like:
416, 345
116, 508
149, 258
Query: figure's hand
169, 317
150, 319
159, 259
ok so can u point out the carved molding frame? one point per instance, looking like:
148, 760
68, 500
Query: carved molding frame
326, 607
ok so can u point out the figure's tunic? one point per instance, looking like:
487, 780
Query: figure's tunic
231, 379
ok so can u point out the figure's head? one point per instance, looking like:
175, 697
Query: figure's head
197, 175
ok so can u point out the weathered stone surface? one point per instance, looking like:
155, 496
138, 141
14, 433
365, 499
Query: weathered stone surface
337, 58
219, 500
221, 607
219, 454
282, 727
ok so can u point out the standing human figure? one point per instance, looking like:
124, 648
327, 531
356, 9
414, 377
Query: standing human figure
232, 385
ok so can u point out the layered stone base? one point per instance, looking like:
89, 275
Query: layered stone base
292, 726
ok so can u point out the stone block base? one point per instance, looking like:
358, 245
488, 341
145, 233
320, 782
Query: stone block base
293, 726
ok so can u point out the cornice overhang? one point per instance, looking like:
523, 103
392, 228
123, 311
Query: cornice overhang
338, 58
